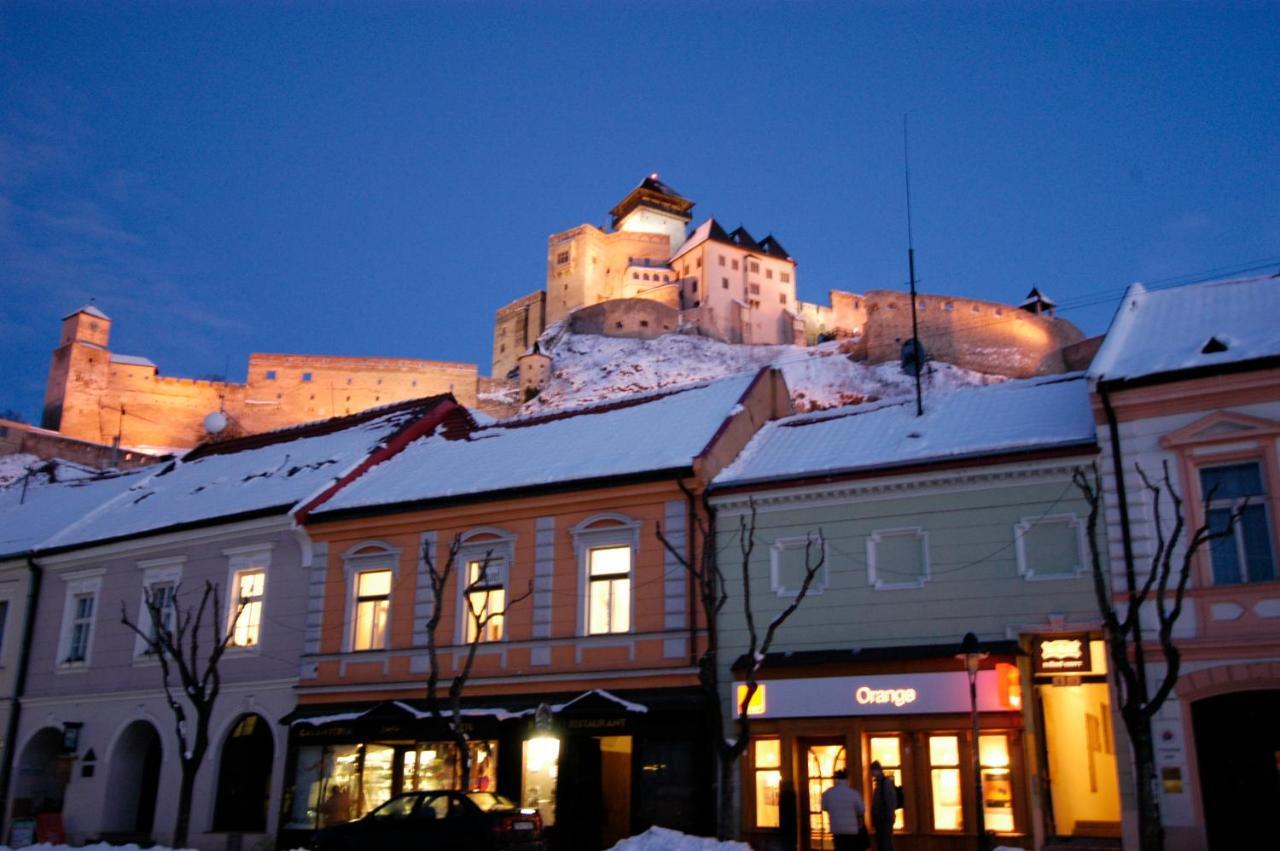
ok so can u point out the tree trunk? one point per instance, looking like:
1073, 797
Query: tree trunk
1150, 828
185, 792
725, 820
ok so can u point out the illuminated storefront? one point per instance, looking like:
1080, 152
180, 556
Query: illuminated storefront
598, 767
815, 715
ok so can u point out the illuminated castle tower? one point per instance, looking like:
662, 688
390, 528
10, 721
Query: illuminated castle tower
78, 373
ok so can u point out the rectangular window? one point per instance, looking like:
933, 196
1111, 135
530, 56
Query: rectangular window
1244, 555
768, 273
755, 267
721, 259
81, 627
782, 298
887, 750
271, 375
786, 277
724, 283
609, 594
246, 607
562, 258
306, 378
733, 265
754, 289
944, 770
373, 598
162, 596
486, 599
997, 782
767, 762
698, 262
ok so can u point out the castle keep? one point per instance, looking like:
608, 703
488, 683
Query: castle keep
650, 275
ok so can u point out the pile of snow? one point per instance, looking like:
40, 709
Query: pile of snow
590, 368
100, 846
662, 839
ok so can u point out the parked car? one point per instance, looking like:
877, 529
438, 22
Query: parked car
438, 821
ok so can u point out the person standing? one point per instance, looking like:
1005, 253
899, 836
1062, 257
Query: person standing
884, 801
845, 811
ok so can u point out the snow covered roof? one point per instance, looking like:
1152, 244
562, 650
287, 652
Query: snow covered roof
1195, 326
1037, 413
132, 360
89, 309
639, 434
251, 476
44, 508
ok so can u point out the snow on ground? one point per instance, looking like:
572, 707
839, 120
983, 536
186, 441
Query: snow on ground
662, 839
14, 467
590, 368
99, 846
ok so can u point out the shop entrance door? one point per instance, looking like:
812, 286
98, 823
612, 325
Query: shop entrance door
1081, 752
1238, 748
615, 787
822, 759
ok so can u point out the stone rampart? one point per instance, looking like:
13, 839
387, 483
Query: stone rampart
637, 318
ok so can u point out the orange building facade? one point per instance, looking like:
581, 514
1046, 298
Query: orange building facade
583, 699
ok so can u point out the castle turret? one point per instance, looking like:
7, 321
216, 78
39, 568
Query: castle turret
535, 371
1038, 303
78, 374
654, 207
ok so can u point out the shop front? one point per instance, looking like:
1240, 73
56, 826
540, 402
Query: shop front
597, 766
913, 717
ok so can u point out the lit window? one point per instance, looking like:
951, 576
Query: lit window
997, 783
373, 597
609, 595
944, 768
486, 599
767, 761
246, 607
81, 627
887, 750
1244, 555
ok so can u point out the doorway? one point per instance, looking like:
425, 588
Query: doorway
615, 787
1080, 743
39, 786
822, 759
1238, 749
244, 777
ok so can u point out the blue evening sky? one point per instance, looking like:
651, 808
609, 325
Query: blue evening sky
378, 178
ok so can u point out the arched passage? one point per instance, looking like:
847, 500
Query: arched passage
1237, 740
39, 784
244, 777
133, 780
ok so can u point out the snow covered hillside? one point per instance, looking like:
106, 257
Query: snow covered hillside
589, 368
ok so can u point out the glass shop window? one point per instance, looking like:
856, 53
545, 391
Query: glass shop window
997, 783
887, 750
767, 762
944, 771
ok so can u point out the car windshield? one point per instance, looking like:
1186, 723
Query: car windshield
488, 801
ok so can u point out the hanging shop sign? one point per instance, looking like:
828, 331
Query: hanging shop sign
1062, 654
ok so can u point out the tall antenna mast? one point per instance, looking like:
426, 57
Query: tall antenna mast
917, 355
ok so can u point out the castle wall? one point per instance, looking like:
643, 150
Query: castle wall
636, 318
979, 335
516, 326
845, 316
585, 265
19, 438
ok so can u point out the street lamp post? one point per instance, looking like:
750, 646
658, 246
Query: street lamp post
971, 653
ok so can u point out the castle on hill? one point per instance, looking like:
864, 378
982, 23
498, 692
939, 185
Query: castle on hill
652, 274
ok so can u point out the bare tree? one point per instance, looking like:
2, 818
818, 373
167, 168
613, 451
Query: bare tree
703, 564
1164, 589
173, 639
478, 621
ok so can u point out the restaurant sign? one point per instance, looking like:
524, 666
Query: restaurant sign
1062, 654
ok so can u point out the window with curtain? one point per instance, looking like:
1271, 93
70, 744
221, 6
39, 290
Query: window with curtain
944, 771
767, 763
372, 602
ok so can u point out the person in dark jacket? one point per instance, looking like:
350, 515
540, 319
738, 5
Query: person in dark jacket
884, 801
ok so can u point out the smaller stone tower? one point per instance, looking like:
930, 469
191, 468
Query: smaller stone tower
78, 373
535, 371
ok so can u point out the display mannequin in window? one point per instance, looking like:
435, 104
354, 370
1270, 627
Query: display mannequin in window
845, 811
884, 801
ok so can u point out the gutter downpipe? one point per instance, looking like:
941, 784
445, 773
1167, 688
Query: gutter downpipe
19, 686
691, 533
1126, 534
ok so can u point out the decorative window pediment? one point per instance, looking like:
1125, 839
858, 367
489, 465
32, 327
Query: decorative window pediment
1221, 426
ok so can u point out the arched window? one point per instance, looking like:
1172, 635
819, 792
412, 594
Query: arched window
244, 777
